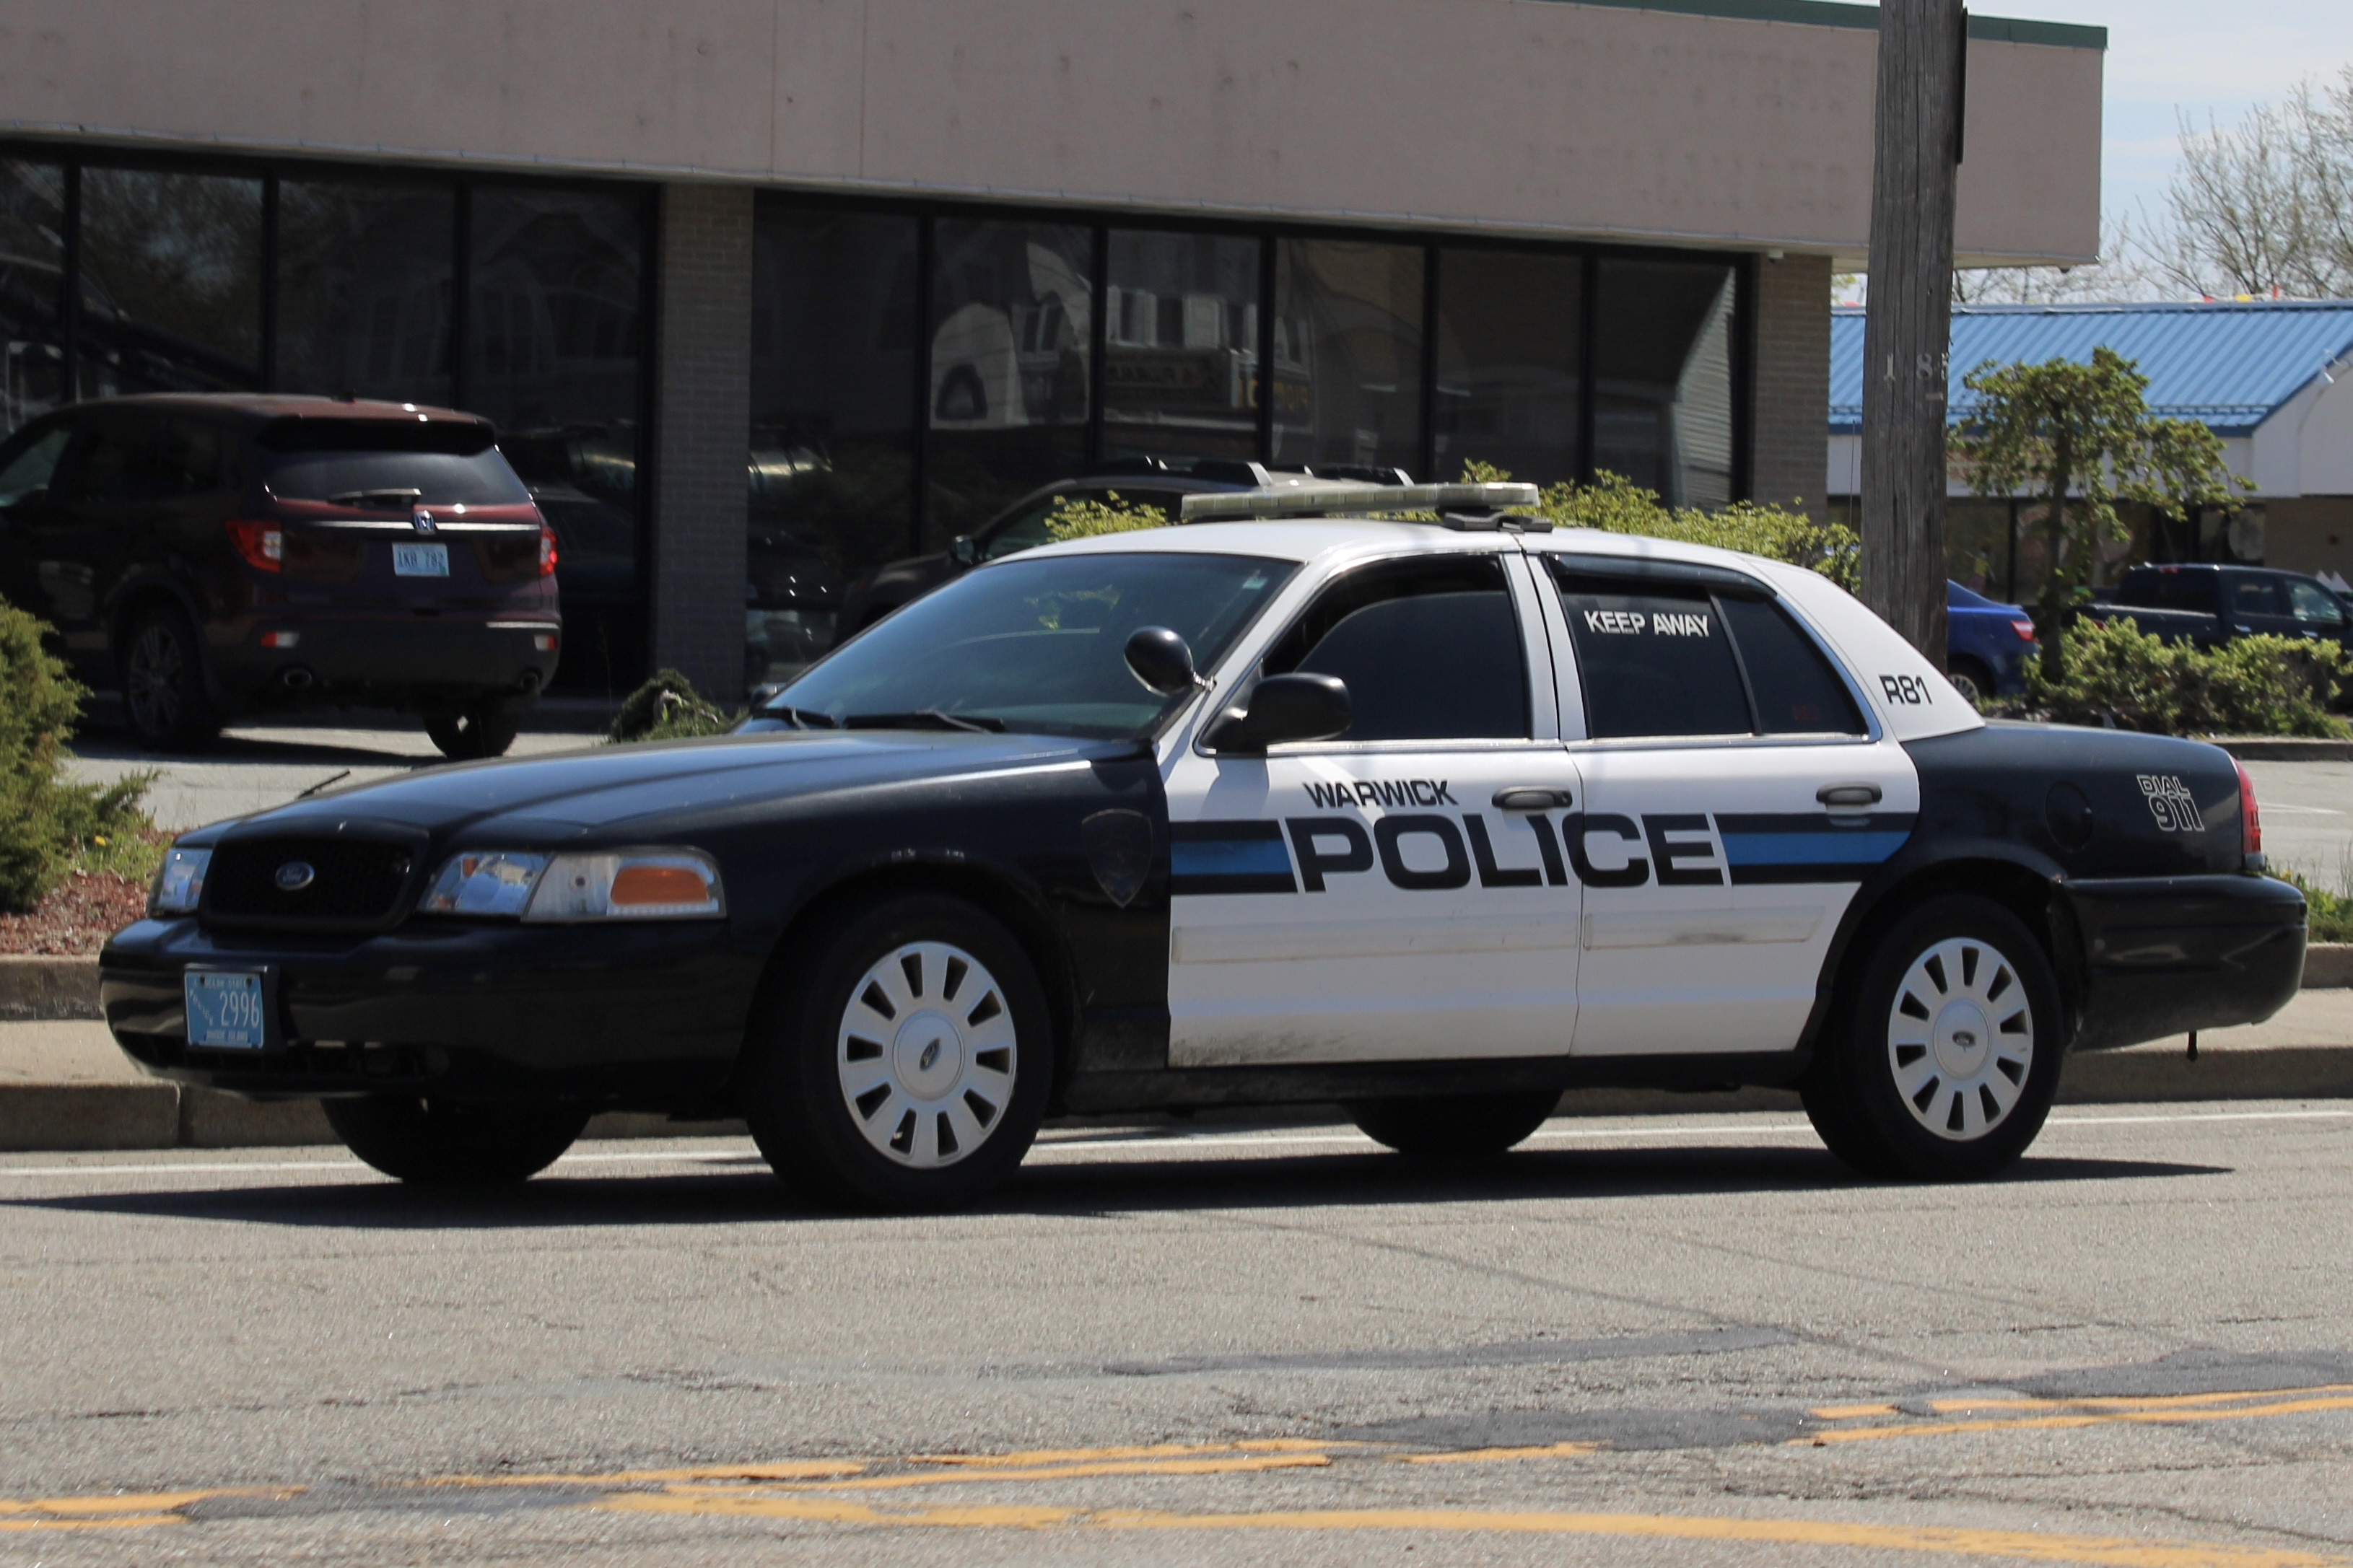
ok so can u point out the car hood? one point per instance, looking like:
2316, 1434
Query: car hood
547, 799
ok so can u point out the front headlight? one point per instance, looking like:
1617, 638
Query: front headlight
629, 885
179, 882
483, 882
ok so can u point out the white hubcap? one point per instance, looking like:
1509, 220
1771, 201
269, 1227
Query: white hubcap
927, 1055
1960, 1038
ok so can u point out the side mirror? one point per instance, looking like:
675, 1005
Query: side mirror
966, 549
1285, 707
1160, 659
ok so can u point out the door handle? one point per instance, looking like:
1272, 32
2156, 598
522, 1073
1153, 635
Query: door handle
1532, 797
1848, 794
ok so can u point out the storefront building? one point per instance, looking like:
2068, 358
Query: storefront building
764, 294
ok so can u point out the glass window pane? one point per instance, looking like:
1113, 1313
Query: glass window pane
1429, 651
833, 391
1011, 314
555, 358
1977, 546
1653, 664
1180, 336
1797, 691
2315, 604
1348, 353
32, 289
171, 282
1663, 375
1509, 331
363, 285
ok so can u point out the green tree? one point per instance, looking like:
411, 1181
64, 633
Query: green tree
2081, 437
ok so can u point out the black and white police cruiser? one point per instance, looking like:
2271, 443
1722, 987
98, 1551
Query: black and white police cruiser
1432, 819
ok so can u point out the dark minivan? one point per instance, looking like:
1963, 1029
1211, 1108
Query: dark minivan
225, 553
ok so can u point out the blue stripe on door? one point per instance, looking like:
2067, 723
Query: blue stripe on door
1229, 857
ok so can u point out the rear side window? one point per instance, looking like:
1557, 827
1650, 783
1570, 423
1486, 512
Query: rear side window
2256, 596
152, 460
1429, 651
2171, 591
387, 465
1796, 691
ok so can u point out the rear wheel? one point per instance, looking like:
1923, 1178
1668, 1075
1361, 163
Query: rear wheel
1972, 681
474, 732
163, 691
1944, 1060
454, 1143
1463, 1127
906, 1062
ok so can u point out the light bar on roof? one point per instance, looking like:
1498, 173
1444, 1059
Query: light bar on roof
1351, 500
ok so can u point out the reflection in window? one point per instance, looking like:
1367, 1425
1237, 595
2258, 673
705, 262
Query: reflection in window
1181, 335
171, 282
32, 291
1011, 322
832, 456
364, 284
555, 358
1663, 373
1977, 546
1348, 353
1509, 325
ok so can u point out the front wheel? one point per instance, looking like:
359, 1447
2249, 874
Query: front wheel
1459, 1127
906, 1063
1943, 1062
454, 1143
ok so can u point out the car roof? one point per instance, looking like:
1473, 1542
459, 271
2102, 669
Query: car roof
1315, 538
260, 406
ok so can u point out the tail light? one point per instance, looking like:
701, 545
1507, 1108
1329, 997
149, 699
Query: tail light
261, 544
2025, 630
546, 550
2251, 821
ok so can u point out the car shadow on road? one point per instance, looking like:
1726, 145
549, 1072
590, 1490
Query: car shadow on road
744, 1191
246, 750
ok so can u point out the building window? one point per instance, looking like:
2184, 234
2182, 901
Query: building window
32, 291
1510, 338
1663, 408
171, 282
1012, 314
555, 359
833, 420
364, 275
1180, 345
1348, 353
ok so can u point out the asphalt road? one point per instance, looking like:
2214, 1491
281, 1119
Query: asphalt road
2307, 811
1687, 1341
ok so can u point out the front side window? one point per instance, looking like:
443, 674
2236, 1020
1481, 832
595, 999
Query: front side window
1429, 651
28, 468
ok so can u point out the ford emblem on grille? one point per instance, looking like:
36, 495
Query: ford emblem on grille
422, 518
294, 875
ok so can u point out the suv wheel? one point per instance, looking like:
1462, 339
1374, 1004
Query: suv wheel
1457, 1127
1972, 681
473, 732
1943, 1061
163, 683
906, 1064
451, 1143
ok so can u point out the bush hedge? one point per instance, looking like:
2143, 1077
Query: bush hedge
48, 825
668, 708
2120, 675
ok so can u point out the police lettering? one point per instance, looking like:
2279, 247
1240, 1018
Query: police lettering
1382, 793
1424, 851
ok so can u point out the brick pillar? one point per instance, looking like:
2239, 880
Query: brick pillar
1793, 380
702, 399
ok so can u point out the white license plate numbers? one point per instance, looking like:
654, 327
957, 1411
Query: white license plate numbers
227, 1010
420, 560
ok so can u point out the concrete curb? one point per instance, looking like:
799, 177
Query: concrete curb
2283, 749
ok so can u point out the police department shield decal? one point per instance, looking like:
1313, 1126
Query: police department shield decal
1119, 852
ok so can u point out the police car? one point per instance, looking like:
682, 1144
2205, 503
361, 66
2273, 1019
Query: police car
1432, 819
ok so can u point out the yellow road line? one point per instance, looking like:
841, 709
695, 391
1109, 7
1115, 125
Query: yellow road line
1148, 1451
115, 1510
2090, 1418
1229, 1464
2131, 1402
1484, 1456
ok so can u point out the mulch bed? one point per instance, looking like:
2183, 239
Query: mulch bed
79, 913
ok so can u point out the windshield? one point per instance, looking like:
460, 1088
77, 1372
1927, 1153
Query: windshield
1039, 645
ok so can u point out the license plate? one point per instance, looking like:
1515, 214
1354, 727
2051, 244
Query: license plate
227, 1009
420, 560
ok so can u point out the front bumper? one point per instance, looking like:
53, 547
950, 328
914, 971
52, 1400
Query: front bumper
2164, 956
646, 1016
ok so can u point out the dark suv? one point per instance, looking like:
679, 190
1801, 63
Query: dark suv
217, 554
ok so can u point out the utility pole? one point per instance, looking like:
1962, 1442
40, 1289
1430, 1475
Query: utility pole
1923, 53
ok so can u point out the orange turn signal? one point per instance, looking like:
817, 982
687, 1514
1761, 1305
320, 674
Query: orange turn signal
641, 885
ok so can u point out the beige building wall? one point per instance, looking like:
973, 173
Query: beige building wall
1515, 115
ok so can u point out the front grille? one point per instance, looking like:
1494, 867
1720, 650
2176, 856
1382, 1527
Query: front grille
355, 883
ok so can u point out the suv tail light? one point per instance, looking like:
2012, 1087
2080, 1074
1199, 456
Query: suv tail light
2251, 821
262, 544
546, 550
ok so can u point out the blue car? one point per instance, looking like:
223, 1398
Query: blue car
1987, 644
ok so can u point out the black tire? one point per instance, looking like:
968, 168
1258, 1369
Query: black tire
454, 1143
164, 695
1463, 1127
936, 1114
1955, 1086
1972, 681
473, 732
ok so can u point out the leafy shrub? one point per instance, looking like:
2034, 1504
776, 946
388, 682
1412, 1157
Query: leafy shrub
2328, 913
1074, 518
2119, 675
48, 825
668, 708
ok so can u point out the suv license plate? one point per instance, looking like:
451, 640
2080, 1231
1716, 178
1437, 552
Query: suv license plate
227, 1009
420, 560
